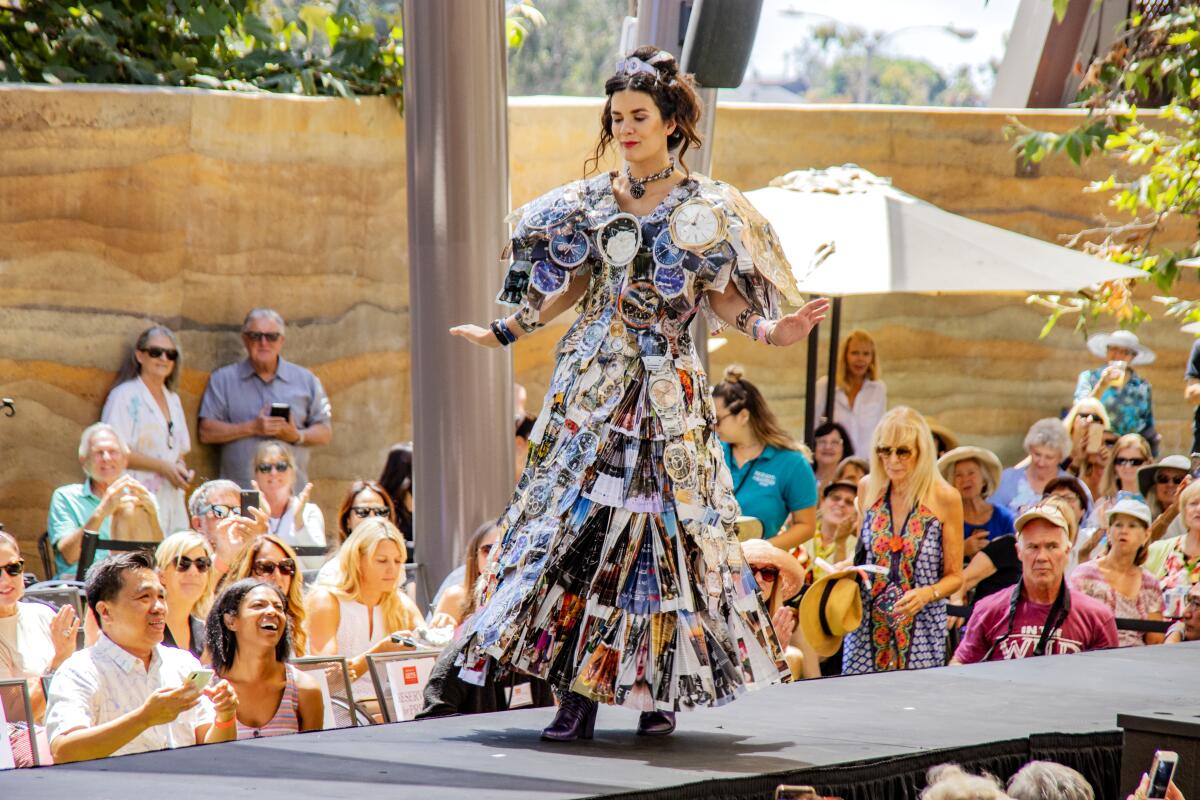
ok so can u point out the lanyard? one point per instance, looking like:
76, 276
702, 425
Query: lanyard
1057, 615
753, 465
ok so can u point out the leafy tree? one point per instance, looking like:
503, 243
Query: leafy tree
572, 53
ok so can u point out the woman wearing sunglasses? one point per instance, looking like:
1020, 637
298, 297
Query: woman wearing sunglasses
144, 409
458, 601
293, 519
269, 558
184, 563
365, 500
912, 528
1162, 486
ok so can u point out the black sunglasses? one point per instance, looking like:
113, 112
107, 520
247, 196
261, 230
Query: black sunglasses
767, 573
287, 567
1129, 462
1163, 480
183, 564
218, 510
14, 568
281, 466
362, 512
258, 336
901, 452
159, 352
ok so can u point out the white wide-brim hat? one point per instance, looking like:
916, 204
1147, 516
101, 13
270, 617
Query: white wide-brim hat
1099, 343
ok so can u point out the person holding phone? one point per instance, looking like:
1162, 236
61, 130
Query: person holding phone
292, 517
1088, 425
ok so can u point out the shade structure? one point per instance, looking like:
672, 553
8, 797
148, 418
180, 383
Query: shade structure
849, 232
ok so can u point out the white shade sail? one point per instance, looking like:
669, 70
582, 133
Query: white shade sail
886, 241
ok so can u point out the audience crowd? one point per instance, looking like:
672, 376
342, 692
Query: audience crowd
921, 553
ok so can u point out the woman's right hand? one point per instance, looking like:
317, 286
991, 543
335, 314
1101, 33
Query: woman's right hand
476, 335
178, 474
63, 630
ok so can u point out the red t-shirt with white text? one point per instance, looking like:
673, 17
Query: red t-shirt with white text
1090, 625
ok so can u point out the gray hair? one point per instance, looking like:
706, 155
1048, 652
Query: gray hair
1046, 780
264, 313
89, 433
1049, 433
949, 782
205, 490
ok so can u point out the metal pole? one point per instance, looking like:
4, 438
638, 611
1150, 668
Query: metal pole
835, 324
456, 133
810, 387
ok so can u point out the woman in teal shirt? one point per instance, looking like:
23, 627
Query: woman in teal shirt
772, 479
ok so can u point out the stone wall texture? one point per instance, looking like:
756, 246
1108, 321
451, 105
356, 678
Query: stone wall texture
124, 206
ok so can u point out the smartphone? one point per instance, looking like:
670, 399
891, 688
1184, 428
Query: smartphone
785, 792
250, 499
1095, 437
1162, 769
281, 410
1195, 466
199, 678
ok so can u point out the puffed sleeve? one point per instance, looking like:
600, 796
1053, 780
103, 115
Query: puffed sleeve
760, 270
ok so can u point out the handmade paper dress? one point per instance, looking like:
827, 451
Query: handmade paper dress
619, 575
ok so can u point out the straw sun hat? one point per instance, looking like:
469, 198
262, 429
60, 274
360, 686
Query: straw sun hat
831, 608
987, 460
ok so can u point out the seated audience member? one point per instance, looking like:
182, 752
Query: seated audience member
397, 480
1091, 442
975, 472
779, 577
458, 600
831, 446
1129, 454
950, 782
1161, 485
853, 469
1046, 780
836, 534
215, 511
1187, 629
1075, 494
249, 639
1047, 444
184, 563
459, 573
270, 559
363, 500
128, 693
292, 518
1176, 561
524, 427
1117, 578
107, 495
1042, 615
360, 614
944, 439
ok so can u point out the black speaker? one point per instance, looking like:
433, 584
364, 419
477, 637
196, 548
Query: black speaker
720, 35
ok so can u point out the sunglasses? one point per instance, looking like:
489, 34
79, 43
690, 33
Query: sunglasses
159, 352
902, 453
1163, 480
287, 567
183, 564
260, 337
1089, 417
362, 512
766, 573
15, 568
218, 510
281, 466
1129, 462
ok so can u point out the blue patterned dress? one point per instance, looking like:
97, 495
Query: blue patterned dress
913, 558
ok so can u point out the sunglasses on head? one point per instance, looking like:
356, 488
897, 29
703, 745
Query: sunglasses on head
362, 512
1163, 480
901, 453
159, 352
1129, 462
287, 567
259, 336
14, 568
766, 573
279, 466
218, 510
183, 564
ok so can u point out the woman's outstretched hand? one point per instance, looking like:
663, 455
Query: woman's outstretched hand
795, 326
476, 335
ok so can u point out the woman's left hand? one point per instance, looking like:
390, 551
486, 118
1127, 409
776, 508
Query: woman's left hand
784, 623
301, 502
63, 633
224, 699
795, 326
913, 601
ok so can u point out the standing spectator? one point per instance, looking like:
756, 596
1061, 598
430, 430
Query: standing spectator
975, 473
1042, 615
1117, 578
143, 408
1191, 392
292, 518
270, 559
912, 527
1125, 394
1048, 445
107, 495
860, 398
235, 412
128, 693
772, 479
457, 602
831, 446
249, 639
184, 562
214, 508
1162, 485
1130, 453
397, 481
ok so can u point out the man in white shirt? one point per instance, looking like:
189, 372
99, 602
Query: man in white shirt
128, 693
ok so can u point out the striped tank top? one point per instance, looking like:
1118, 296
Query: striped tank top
287, 716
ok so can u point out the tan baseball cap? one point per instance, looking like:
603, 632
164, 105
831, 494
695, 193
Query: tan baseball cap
1047, 511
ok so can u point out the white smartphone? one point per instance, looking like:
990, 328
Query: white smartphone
199, 678
1162, 770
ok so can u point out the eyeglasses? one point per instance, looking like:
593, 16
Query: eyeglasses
1129, 462
14, 568
183, 564
1163, 480
159, 352
721, 418
829, 442
287, 567
362, 512
218, 510
260, 337
280, 466
766, 573
902, 453
1089, 417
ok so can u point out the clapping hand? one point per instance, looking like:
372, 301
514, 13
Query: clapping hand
64, 629
301, 502
795, 326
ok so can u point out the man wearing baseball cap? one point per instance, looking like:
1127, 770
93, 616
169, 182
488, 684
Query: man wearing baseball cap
1041, 615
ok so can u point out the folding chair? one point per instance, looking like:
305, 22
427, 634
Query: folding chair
14, 697
57, 594
46, 554
378, 663
91, 542
333, 676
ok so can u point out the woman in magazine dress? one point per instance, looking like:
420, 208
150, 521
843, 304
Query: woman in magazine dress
618, 576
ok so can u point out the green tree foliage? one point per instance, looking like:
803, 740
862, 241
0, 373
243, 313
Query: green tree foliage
572, 53
1155, 63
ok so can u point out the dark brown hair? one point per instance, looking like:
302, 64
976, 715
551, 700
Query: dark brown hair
357, 488
674, 95
737, 394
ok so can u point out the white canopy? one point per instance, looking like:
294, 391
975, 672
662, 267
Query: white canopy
886, 241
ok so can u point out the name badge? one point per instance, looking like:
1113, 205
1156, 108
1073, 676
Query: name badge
764, 479
522, 695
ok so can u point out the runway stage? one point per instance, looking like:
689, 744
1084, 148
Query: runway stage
867, 736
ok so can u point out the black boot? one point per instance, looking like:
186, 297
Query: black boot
576, 719
656, 723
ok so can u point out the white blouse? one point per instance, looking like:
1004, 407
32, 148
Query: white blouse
26, 650
860, 421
